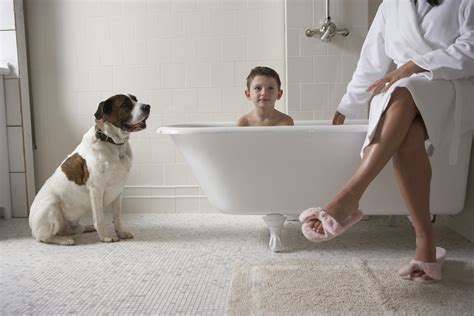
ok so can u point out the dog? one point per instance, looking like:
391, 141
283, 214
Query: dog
92, 177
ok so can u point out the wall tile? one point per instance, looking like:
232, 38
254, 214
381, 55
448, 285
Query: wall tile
7, 15
187, 205
155, 205
8, 50
121, 28
159, 51
184, 51
294, 100
327, 69
176, 174
221, 22
151, 174
125, 78
98, 29
154, 6
313, 96
209, 50
162, 150
198, 75
348, 65
18, 194
293, 42
15, 149
172, 76
209, 99
234, 49
222, 75
162, 101
101, 78
234, 99
148, 76
355, 13
242, 25
299, 70
141, 150
135, 52
109, 8
12, 101
301, 14
111, 52
185, 100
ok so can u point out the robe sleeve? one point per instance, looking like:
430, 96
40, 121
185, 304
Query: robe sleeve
372, 65
457, 60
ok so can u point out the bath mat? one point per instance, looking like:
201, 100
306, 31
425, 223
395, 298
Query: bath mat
335, 287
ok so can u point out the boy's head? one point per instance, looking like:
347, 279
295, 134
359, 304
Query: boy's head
263, 87
263, 71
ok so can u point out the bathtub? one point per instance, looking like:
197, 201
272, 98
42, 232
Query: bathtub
280, 171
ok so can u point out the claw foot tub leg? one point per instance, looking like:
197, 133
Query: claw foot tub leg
274, 223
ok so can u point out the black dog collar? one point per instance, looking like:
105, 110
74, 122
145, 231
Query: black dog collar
101, 136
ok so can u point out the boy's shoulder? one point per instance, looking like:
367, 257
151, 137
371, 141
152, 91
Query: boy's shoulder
285, 119
243, 121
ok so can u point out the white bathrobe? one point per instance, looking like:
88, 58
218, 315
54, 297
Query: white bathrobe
439, 39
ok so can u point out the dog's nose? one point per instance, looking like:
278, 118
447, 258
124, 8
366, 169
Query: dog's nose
146, 107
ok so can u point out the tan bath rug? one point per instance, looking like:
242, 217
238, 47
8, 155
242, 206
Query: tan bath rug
335, 287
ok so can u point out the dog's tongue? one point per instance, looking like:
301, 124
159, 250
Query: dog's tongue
138, 127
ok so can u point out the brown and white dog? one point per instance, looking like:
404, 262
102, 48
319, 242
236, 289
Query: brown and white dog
92, 177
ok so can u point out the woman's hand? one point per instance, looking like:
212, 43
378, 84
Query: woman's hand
389, 79
338, 118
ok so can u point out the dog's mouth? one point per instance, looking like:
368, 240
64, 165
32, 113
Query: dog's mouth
137, 126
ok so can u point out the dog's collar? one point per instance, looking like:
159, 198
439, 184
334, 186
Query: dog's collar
100, 135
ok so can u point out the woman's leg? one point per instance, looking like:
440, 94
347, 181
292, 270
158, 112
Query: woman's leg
389, 135
413, 172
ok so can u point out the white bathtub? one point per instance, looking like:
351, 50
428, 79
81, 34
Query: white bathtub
286, 169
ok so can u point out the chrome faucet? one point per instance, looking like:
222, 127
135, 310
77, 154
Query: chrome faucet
328, 29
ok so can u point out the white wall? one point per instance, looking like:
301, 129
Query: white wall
18, 121
187, 58
319, 72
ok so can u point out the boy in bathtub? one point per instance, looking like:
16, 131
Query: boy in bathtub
264, 89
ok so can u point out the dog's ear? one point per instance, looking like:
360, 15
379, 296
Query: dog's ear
105, 107
99, 114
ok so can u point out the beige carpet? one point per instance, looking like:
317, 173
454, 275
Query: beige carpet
355, 286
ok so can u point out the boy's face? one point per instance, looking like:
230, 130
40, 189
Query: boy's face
263, 91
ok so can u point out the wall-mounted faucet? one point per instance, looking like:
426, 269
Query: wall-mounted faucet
328, 29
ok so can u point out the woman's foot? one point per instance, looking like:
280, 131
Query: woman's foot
340, 207
425, 252
425, 272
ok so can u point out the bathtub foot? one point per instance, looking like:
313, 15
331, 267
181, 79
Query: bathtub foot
275, 223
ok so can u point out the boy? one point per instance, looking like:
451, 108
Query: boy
263, 89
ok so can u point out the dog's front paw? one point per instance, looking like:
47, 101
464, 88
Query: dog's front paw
110, 239
124, 235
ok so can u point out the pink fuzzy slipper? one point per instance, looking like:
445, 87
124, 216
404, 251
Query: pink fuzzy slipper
332, 228
432, 270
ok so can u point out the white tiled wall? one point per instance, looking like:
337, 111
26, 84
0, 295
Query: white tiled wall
318, 72
187, 58
16, 106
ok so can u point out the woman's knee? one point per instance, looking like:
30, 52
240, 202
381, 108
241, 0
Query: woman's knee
401, 97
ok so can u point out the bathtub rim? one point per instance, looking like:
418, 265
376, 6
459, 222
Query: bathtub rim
359, 125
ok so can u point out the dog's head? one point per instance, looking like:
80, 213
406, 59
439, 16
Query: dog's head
124, 112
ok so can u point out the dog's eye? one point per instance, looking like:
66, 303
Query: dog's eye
134, 98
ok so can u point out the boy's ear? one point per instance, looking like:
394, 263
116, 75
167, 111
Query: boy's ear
280, 93
247, 93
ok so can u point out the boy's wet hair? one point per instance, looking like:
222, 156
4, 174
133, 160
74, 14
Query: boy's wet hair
263, 71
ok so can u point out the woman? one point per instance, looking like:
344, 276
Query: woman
427, 100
